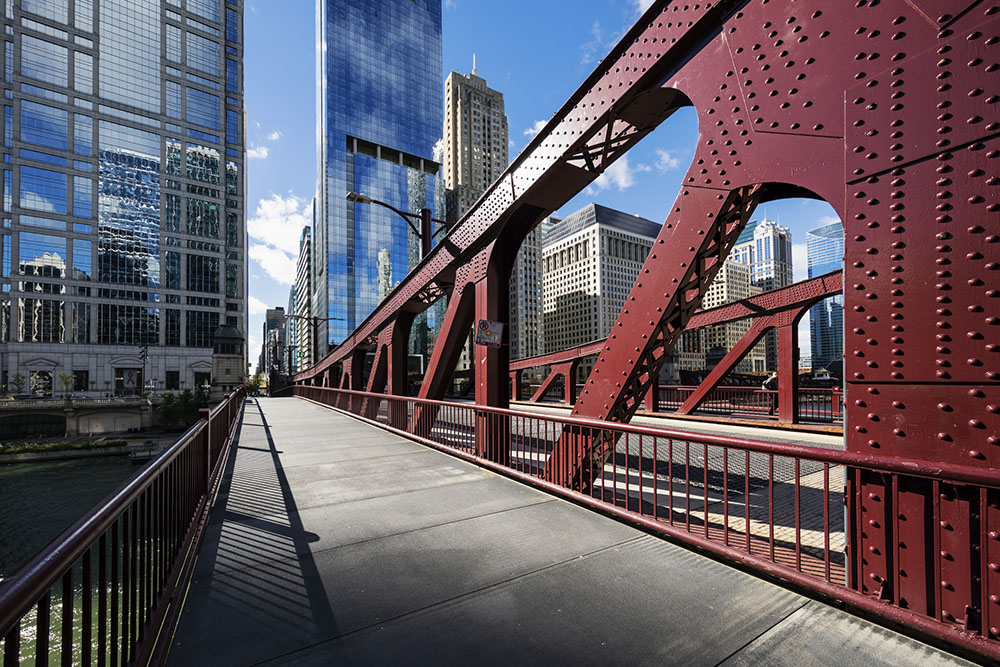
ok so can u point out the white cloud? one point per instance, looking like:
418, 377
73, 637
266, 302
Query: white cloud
535, 129
438, 151
275, 263
274, 136
277, 225
257, 153
641, 5
665, 161
256, 306
827, 220
253, 346
450, 4
620, 176
278, 222
800, 263
594, 45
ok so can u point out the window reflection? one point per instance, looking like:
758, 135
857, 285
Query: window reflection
202, 218
202, 273
40, 321
44, 125
41, 255
44, 61
43, 189
127, 325
128, 232
201, 326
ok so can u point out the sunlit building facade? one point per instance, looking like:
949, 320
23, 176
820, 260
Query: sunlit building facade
123, 227
379, 119
825, 253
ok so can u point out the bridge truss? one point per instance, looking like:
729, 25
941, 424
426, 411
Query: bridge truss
887, 110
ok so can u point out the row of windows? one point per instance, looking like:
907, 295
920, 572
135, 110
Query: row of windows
47, 321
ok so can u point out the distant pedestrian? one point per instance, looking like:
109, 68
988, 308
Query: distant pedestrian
771, 387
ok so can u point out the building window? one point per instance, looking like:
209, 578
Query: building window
81, 380
173, 381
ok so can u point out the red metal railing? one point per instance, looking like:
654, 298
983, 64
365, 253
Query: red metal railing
779, 508
815, 403
108, 589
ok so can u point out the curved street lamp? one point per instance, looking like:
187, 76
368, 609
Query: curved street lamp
424, 218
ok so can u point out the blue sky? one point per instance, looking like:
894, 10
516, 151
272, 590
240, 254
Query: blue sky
535, 53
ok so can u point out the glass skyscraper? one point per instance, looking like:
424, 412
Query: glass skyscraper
123, 214
825, 253
380, 115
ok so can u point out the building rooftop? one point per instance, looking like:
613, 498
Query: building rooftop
595, 214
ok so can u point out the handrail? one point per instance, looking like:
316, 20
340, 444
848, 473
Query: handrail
774, 507
172, 496
30, 582
910, 467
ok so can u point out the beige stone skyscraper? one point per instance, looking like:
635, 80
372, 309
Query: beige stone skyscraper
475, 154
475, 137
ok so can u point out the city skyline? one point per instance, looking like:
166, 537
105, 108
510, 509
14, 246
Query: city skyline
535, 79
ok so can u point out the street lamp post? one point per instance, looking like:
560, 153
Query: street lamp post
314, 323
423, 218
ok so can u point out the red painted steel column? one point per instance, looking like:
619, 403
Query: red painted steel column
788, 373
569, 382
515, 386
653, 395
492, 431
397, 356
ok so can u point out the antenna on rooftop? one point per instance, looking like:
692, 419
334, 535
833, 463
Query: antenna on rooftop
473, 63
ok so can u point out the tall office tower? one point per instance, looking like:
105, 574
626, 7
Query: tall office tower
766, 247
590, 261
379, 117
825, 253
475, 154
274, 340
303, 302
732, 283
123, 245
291, 333
475, 137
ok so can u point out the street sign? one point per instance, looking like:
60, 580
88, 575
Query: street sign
489, 333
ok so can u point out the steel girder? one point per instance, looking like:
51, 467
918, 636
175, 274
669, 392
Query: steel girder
888, 111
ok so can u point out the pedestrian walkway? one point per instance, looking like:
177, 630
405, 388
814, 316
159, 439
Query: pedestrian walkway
333, 540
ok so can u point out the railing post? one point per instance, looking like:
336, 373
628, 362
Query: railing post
206, 414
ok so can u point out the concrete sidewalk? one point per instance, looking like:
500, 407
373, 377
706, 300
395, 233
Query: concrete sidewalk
335, 542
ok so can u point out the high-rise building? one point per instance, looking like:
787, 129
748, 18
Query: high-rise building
590, 261
123, 246
475, 148
288, 364
766, 247
732, 283
380, 116
303, 302
475, 137
825, 253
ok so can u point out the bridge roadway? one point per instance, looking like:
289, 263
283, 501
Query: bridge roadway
334, 541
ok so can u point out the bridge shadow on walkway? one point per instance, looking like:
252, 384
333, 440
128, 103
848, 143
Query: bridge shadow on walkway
335, 542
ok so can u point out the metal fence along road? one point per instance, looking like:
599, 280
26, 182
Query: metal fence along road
778, 508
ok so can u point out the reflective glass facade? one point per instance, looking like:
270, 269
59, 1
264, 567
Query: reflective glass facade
380, 118
123, 222
825, 252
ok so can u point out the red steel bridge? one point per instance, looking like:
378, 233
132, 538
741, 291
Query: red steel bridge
887, 110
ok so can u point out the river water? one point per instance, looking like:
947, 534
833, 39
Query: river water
40, 500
